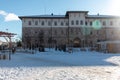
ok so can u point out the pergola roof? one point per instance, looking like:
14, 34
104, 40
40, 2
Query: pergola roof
6, 34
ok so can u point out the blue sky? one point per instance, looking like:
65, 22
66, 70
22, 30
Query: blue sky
10, 9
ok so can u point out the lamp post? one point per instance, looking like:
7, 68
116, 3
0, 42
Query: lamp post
51, 33
9, 45
68, 36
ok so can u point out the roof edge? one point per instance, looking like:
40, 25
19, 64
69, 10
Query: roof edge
76, 12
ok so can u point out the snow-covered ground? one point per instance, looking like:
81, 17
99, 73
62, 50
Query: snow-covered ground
55, 65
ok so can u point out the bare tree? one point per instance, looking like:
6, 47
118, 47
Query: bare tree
41, 38
41, 41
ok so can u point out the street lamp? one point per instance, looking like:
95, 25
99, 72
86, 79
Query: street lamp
51, 32
9, 46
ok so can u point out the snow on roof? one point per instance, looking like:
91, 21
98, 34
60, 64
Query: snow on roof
77, 11
43, 16
102, 16
65, 16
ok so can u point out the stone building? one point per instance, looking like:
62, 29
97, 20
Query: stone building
75, 29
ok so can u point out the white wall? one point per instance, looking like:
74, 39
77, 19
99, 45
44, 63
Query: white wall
76, 16
25, 22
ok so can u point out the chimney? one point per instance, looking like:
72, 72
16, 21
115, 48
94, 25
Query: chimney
98, 14
52, 14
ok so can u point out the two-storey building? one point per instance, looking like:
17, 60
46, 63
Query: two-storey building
75, 28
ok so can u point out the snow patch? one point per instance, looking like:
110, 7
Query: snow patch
56, 65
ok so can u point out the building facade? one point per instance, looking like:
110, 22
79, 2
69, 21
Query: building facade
75, 28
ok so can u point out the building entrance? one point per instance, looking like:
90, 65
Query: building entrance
77, 42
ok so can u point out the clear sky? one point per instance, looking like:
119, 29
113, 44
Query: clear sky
11, 9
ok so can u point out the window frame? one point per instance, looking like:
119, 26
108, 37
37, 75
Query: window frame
36, 22
77, 22
29, 23
42, 23
72, 22
81, 22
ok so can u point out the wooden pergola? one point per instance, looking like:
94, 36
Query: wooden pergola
7, 37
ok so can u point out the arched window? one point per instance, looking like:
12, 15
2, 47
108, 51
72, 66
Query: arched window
77, 32
55, 32
86, 23
77, 22
91, 33
104, 23
72, 31
36, 22
61, 23
29, 23
62, 32
49, 23
111, 23
81, 22
72, 22
55, 23
90, 23
66, 23
42, 23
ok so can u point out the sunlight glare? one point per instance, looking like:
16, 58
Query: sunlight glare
114, 7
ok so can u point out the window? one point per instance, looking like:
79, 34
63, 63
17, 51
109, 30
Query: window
90, 23
29, 23
81, 22
55, 32
55, 23
77, 32
77, 22
71, 31
66, 23
91, 33
86, 23
97, 23
61, 23
42, 23
112, 32
104, 23
36, 22
111, 23
49, 23
49, 31
72, 22
62, 32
